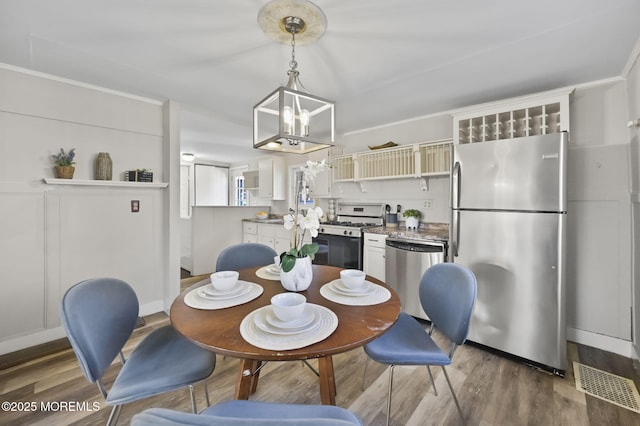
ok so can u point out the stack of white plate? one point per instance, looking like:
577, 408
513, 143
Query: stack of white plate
263, 329
368, 294
208, 297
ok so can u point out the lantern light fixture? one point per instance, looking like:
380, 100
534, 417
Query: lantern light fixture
290, 119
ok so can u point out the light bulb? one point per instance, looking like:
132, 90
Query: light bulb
287, 118
304, 122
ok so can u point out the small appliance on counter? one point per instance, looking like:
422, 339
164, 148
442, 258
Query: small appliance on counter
391, 219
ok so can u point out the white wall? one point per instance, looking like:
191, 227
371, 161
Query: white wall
633, 103
599, 301
53, 236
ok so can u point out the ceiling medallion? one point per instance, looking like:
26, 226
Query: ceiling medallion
272, 15
290, 119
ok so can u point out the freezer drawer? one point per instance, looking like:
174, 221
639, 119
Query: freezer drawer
405, 263
517, 259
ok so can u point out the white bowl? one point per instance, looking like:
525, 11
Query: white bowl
262, 215
352, 278
288, 306
224, 280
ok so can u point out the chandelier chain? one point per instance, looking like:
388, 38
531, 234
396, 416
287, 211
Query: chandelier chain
293, 64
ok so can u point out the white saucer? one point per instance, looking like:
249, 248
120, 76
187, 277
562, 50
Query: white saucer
339, 287
210, 292
308, 315
273, 269
264, 319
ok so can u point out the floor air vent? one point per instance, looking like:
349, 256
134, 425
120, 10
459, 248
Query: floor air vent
606, 386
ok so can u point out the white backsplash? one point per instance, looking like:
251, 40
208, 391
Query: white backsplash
406, 192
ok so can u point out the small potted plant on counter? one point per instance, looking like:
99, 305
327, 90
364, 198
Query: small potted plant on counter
64, 162
412, 218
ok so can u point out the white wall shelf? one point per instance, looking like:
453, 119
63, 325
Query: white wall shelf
120, 183
424, 159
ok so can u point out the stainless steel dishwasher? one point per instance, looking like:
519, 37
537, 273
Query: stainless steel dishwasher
405, 262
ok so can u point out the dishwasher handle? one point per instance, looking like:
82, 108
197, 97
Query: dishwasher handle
419, 247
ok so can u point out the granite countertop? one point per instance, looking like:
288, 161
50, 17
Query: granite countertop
427, 231
272, 219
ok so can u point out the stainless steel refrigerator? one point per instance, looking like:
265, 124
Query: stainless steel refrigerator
508, 226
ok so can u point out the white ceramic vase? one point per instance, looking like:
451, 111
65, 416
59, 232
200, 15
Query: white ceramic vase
299, 278
412, 222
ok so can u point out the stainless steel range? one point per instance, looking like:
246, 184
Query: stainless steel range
341, 240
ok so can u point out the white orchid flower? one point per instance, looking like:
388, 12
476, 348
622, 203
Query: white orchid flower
315, 212
288, 222
310, 222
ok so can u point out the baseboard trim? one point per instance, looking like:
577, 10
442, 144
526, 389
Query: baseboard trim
600, 341
51, 335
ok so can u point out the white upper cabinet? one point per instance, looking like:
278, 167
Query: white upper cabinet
321, 185
539, 114
272, 178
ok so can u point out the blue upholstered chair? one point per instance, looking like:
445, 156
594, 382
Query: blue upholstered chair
245, 255
99, 316
447, 294
251, 413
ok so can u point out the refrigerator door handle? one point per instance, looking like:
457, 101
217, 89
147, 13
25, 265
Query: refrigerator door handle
455, 238
455, 185
455, 197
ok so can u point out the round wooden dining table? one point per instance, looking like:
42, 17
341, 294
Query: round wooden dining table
218, 330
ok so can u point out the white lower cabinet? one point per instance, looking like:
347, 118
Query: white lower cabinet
273, 235
249, 232
373, 256
267, 235
282, 240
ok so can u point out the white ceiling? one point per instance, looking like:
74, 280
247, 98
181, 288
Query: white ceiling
380, 60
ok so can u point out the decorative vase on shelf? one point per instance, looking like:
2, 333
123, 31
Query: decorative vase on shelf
299, 278
64, 172
103, 166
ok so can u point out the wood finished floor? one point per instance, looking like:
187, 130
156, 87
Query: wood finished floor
492, 390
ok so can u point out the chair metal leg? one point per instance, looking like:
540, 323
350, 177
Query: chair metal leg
305, 362
364, 375
193, 400
433, 383
113, 417
206, 392
454, 394
389, 395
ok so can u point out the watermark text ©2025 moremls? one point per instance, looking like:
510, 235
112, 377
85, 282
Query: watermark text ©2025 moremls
50, 406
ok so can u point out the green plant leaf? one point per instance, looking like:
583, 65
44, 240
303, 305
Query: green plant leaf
309, 250
288, 262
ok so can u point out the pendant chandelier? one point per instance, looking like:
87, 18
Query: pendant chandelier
290, 119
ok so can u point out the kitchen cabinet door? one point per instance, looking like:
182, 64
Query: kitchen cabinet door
272, 178
373, 262
267, 235
249, 232
321, 185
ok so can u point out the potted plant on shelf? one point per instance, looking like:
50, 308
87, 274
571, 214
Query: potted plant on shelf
412, 218
64, 162
296, 272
